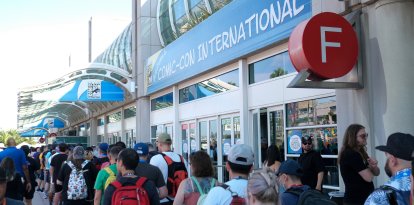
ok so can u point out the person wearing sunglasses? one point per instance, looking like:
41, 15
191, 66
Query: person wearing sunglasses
312, 164
357, 168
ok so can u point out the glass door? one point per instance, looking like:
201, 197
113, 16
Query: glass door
208, 142
276, 128
230, 135
188, 140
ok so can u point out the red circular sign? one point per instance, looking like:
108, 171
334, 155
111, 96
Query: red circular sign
326, 44
41, 140
52, 135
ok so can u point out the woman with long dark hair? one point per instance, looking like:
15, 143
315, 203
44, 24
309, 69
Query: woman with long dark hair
273, 158
15, 188
201, 181
357, 168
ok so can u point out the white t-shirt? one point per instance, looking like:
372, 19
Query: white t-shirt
220, 196
159, 161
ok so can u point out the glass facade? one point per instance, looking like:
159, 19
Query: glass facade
162, 102
218, 84
315, 118
181, 21
114, 117
271, 67
101, 121
130, 112
164, 24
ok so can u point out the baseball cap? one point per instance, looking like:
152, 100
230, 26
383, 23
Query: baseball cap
241, 154
306, 138
3, 177
290, 167
164, 138
103, 146
400, 145
78, 152
141, 148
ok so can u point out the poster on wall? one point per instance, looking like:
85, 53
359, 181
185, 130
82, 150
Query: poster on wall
294, 142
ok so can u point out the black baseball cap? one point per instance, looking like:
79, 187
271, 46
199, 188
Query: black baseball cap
400, 145
306, 138
290, 167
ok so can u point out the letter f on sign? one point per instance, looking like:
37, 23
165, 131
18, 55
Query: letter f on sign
325, 44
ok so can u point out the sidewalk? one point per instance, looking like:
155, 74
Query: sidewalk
38, 199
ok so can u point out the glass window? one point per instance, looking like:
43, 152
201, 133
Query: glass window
180, 17
164, 20
212, 86
198, 10
325, 140
277, 135
101, 122
130, 112
162, 102
311, 112
114, 117
218, 4
271, 67
203, 135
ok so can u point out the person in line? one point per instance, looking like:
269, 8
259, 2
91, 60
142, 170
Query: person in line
120, 144
103, 175
149, 171
89, 154
102, 156
19, 160
398, 152
312, 164
273, 158
76, 179
126, 164
239, 164
3, 187
33, 167
262, 188
164, 145
46, 156
357, 168
56, 162
289, 178
201, 180
15, 186
41, 181
152, 151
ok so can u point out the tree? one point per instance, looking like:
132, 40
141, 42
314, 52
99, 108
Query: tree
4, 135
278, 72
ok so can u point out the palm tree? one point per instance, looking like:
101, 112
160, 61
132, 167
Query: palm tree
278, 72
4, 135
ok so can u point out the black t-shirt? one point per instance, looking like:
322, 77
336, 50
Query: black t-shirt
312, 164
150, 172
357, 189
33, 166
128, 181
15, 188
90, 177
56, 163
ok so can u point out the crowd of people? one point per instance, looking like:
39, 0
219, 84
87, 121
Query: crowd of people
113, 174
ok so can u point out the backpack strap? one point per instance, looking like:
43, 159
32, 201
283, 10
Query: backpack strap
116, 184
167, 159
140, 181
200, 190
390, 193
227, 187
109, 171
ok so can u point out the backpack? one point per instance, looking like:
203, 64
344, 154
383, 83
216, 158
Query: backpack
131, 194
310, 197
99, 162
236, 199
176, 174
395, 196
197, 197
77, 188
111, 178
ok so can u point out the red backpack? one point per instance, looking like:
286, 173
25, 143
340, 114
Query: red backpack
236, 199
176, 174
130, 195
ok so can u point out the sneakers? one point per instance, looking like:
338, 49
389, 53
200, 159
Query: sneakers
45, 196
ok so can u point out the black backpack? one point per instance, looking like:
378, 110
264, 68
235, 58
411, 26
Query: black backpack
396, 197
310, 197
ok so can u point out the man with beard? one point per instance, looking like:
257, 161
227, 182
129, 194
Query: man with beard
398, 167
312, 165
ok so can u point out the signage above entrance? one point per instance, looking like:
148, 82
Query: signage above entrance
238, 29
326, 45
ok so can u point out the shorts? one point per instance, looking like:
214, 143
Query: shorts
29, 195
42, 175
47, 176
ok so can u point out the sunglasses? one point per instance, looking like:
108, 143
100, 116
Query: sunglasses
307, 143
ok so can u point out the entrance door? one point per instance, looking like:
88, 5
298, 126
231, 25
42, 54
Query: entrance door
267, 128
230, 135
208, 140
188, 139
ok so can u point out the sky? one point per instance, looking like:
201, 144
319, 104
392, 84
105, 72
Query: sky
37, 38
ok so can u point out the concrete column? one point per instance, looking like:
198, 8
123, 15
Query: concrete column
123, 133
244, 110
93, 131
176, 123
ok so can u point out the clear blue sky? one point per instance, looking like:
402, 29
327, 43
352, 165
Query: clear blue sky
37, 37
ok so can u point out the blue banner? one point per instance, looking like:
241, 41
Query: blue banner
238, 29
93, 90
51, 122
34, 133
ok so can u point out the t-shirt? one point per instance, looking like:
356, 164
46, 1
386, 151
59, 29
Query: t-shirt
159, 161
56, 163
150, 172
101, 179
356, 188
287, 198
33, 166
128, 181
15, 188
220, 196
18, 156
13, 202
90, 176
312, 164
47, 162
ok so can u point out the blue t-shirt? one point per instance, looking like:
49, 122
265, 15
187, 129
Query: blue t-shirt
287, 198
18, 157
